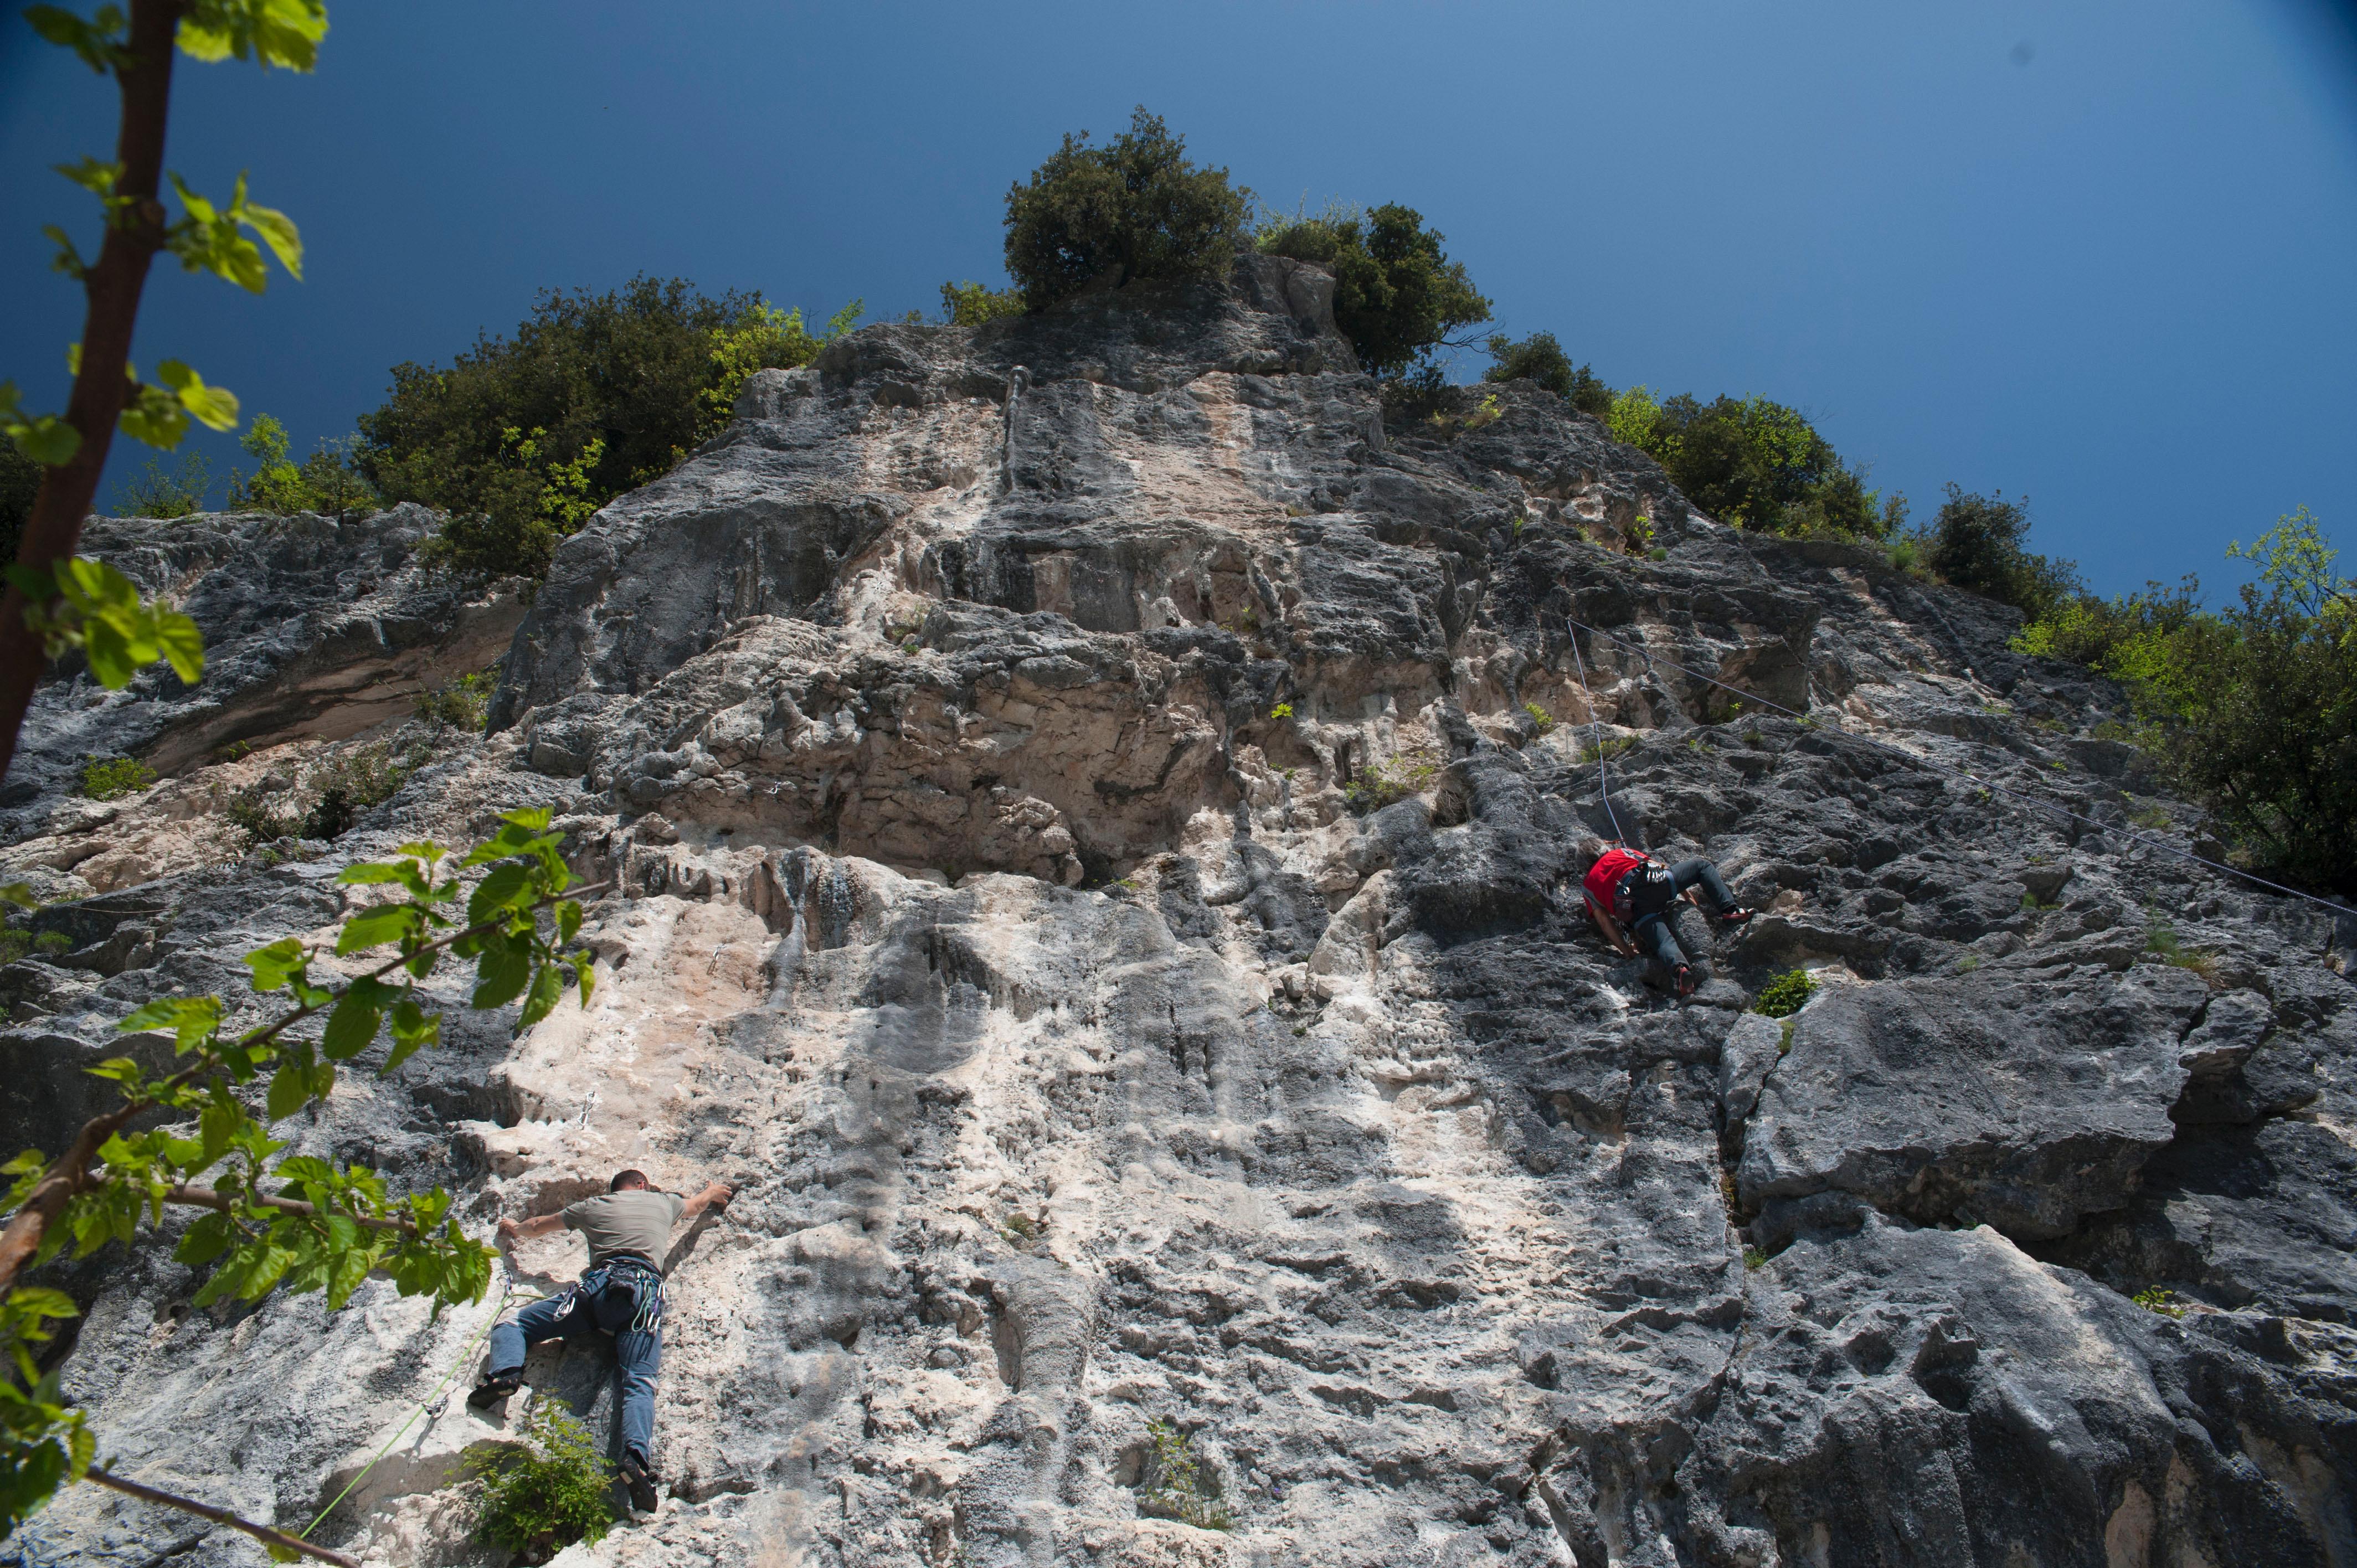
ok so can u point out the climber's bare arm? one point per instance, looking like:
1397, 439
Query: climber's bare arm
512, 1231
717, 1196
1612, 932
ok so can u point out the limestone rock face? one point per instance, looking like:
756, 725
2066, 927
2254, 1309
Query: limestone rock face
1096, 817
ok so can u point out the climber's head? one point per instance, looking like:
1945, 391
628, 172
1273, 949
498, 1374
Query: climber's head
627, 1181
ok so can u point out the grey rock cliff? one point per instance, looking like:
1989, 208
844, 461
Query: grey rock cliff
1098, 819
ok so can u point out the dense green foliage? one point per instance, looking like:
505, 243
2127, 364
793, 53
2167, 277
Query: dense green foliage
1397, 296
1540, 359
2250, 710
521, 439
972, 303
112, 778
463, 705
268, 1223
1753, 463
1980, 542
327, 481
1132, 209
536, 1504
1786, 994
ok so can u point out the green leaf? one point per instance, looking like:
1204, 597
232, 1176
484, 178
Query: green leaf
183, 645
206, 1239
215, 407
154, 416
274, 965
547, 985
568, 921
270, 32
98, 179
377, 926
98, 42
501, 974
191, 1019
19, 894
279, 232
47, 440
33, 1303
351, 1028
506, 886
290, 1090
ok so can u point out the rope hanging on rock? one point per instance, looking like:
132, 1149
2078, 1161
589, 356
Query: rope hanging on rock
1596, 726
2338, 910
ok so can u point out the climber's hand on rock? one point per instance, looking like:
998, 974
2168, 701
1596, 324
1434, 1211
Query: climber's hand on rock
509, 1232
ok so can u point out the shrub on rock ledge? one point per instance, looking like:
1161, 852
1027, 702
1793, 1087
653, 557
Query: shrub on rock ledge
1132, 209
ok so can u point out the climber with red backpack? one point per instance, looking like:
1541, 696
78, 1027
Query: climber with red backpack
1630, 892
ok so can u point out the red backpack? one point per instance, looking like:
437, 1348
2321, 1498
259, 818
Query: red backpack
1607, 882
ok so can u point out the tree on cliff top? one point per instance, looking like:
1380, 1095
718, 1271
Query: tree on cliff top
1132, 209
521, 439
1397, 296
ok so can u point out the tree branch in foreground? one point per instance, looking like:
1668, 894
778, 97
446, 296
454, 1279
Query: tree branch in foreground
70, 1172
261, 1533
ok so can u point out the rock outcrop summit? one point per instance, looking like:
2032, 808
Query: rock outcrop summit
1096, 816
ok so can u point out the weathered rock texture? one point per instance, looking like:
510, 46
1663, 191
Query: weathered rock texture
1098, 820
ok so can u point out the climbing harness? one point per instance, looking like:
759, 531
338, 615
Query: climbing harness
2339, 911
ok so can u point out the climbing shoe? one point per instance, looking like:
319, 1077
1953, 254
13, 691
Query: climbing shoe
641, 1483
1734, 917
1685, 981
490, 1390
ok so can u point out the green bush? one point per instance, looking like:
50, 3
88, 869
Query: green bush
1387, 783
537, 1503
2250, 711
165, 493
1977, 542
463, 705
112, 778
1175, 1489
1132, 209
1541, 360
972, 303
1397, 295
53, 943
2152, 1298
521, 439
1786, 994
1753, 463
15, 943
327, 481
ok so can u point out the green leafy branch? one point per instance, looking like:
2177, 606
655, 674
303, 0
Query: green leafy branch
327, 1227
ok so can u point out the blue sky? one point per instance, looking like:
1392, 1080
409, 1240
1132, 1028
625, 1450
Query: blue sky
2099, 254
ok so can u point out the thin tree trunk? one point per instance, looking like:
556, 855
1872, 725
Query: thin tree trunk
113, 288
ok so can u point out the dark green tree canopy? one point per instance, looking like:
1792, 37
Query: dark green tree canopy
1752, 462
1397, 295
1132, 209
1981, 542
1539, 358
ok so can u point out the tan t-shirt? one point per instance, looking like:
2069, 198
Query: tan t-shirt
636, 1222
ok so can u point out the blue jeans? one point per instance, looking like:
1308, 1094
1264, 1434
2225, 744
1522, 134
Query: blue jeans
1653, 930
637, 1328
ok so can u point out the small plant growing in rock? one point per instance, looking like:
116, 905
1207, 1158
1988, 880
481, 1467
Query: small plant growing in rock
52, 943
1785, 1042
1786, 994
232, 751
1612, 746
112, 778
463, 705
1387, 783
2152, 1298
2162, 942
1754, 1259
535, 1504
1020, 1229
1539, 718
1282, 711
1969, 963
1176, 1490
